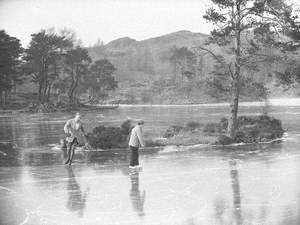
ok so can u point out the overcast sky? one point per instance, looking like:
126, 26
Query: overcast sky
104, 19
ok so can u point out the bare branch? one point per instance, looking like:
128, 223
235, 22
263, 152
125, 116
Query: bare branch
228, 66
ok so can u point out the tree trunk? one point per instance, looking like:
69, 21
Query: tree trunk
49, 92
235, 83
5, 98
76, 79
175, 72
71, 92
1, 97
232, 126
40, 90
15, 87
71, 89
74, 88
45, 91
91, 94
44, 81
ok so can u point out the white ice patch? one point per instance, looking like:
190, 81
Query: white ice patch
172, 148
3, 153
272, 101
55, 147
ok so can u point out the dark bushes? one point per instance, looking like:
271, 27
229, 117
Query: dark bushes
258, 129
223, 124
224, 140
126, 127
107, 137
40, 108
211, 128
193, 125
253, 129
172, 131
110, 137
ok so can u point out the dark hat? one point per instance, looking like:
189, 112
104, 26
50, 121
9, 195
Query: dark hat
141, 122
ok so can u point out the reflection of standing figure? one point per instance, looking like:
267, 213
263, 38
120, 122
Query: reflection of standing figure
76, 199
234, 174
137, 199
219, 206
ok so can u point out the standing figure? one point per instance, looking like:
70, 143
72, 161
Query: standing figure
73, 128
135, 141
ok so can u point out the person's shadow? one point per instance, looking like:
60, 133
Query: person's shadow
76, 198
137, 198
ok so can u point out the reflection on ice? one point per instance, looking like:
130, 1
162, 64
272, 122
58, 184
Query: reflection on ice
76, 198
136, 196
186, 187
234, 174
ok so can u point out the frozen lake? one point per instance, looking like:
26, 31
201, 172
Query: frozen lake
256, 184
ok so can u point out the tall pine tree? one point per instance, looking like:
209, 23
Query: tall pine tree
245, 28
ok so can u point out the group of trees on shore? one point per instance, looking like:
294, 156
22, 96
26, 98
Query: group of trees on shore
56, 63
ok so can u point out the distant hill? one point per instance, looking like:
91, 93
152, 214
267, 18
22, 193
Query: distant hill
145, 68
141, 63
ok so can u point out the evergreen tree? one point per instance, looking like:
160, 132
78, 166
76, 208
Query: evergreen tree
10, 51
243, 27
76, 68
101, 79
43, 59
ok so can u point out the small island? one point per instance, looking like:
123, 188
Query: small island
251, 129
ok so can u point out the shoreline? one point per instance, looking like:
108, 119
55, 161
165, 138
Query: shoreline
162, 148
272, 101
288, 102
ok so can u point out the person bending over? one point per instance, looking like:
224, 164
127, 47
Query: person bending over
73, 128
135, 141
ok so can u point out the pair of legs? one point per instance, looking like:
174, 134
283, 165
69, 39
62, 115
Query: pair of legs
70, 150
134, 156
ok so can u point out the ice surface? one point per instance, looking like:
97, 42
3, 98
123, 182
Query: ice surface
257, 184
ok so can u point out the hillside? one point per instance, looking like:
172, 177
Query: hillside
149, 73
143, 64
131, 56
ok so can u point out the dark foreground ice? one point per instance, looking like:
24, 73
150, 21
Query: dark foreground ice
256, 184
